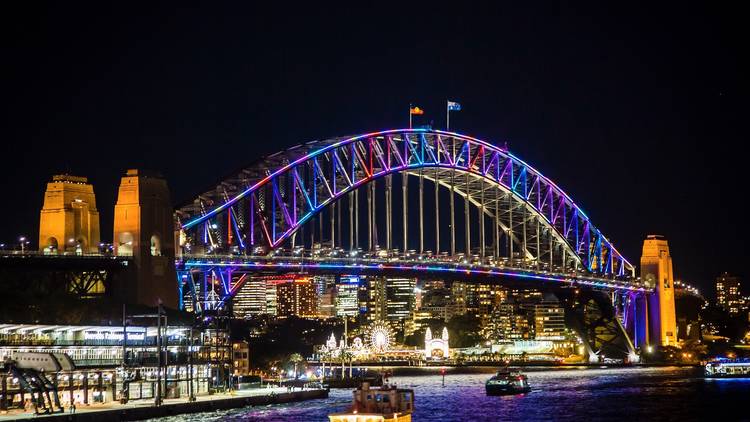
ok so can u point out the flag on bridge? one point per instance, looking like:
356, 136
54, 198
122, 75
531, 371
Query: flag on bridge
452, 106
414, 111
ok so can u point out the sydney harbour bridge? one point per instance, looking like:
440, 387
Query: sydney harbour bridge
416, 202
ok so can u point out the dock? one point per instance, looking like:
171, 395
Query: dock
145, 409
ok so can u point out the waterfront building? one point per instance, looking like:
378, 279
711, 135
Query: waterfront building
241, 358
729, 293
99, 368
436, 347
549, 319
69, 220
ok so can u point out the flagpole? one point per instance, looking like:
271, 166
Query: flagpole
409, 116
447, 117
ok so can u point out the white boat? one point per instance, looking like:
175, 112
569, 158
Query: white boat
384, 404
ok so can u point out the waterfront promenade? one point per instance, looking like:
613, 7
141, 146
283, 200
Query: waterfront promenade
145, 409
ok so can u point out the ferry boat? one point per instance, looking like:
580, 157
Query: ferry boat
728, 368
384, 404
507, 382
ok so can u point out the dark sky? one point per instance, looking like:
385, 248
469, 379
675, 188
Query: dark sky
636, 112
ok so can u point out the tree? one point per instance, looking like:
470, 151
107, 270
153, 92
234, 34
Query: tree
464, 331
296, 358
345, 356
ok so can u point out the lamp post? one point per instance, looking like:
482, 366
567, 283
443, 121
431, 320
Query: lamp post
191, 394
22, 239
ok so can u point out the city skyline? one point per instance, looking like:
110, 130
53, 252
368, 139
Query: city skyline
619, 103
319, 212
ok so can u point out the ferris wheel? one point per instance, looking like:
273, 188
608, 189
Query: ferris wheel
379, 337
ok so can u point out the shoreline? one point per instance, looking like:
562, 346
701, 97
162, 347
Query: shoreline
396, 370
140, 411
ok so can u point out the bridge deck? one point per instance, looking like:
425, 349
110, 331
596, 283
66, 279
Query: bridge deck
403, 267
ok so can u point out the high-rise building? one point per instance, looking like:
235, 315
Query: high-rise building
251, 298
508, 322
399, 293
69, 221
389, 299
327, 303
347, 296
729, 293
272, 296
481, 299
549, 319
372, 296
325, 289
416, 322
298, 298
363, 297
427, 290
457, 304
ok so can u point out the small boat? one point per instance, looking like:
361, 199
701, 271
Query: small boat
507, 382
384, 404
728, 368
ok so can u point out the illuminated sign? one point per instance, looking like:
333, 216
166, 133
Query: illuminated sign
106, 335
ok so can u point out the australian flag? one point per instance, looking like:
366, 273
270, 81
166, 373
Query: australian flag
454, 106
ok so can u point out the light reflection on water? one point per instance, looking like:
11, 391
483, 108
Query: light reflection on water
559, 394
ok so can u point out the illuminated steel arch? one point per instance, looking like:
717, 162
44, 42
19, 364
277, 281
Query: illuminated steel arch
266, 204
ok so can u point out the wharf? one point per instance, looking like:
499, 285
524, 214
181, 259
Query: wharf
145, 409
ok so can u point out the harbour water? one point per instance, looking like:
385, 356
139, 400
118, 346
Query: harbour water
557, 394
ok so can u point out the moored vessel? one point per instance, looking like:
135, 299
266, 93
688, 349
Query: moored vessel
507, 382
384, 404
728, 368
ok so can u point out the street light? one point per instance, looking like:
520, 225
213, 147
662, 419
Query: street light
23, 241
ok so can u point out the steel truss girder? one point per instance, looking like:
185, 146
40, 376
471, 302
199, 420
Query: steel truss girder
276, 197
596, 319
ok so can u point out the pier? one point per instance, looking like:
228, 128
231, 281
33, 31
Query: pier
145, 409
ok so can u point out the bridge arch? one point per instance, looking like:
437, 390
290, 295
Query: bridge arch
265, 205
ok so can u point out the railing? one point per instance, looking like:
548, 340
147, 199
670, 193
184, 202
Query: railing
56, 342
421, 262
63, 255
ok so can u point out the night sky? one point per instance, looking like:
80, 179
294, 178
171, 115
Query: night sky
637, 113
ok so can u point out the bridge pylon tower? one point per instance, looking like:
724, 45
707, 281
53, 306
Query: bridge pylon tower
69, 221
144, 230
656, 272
